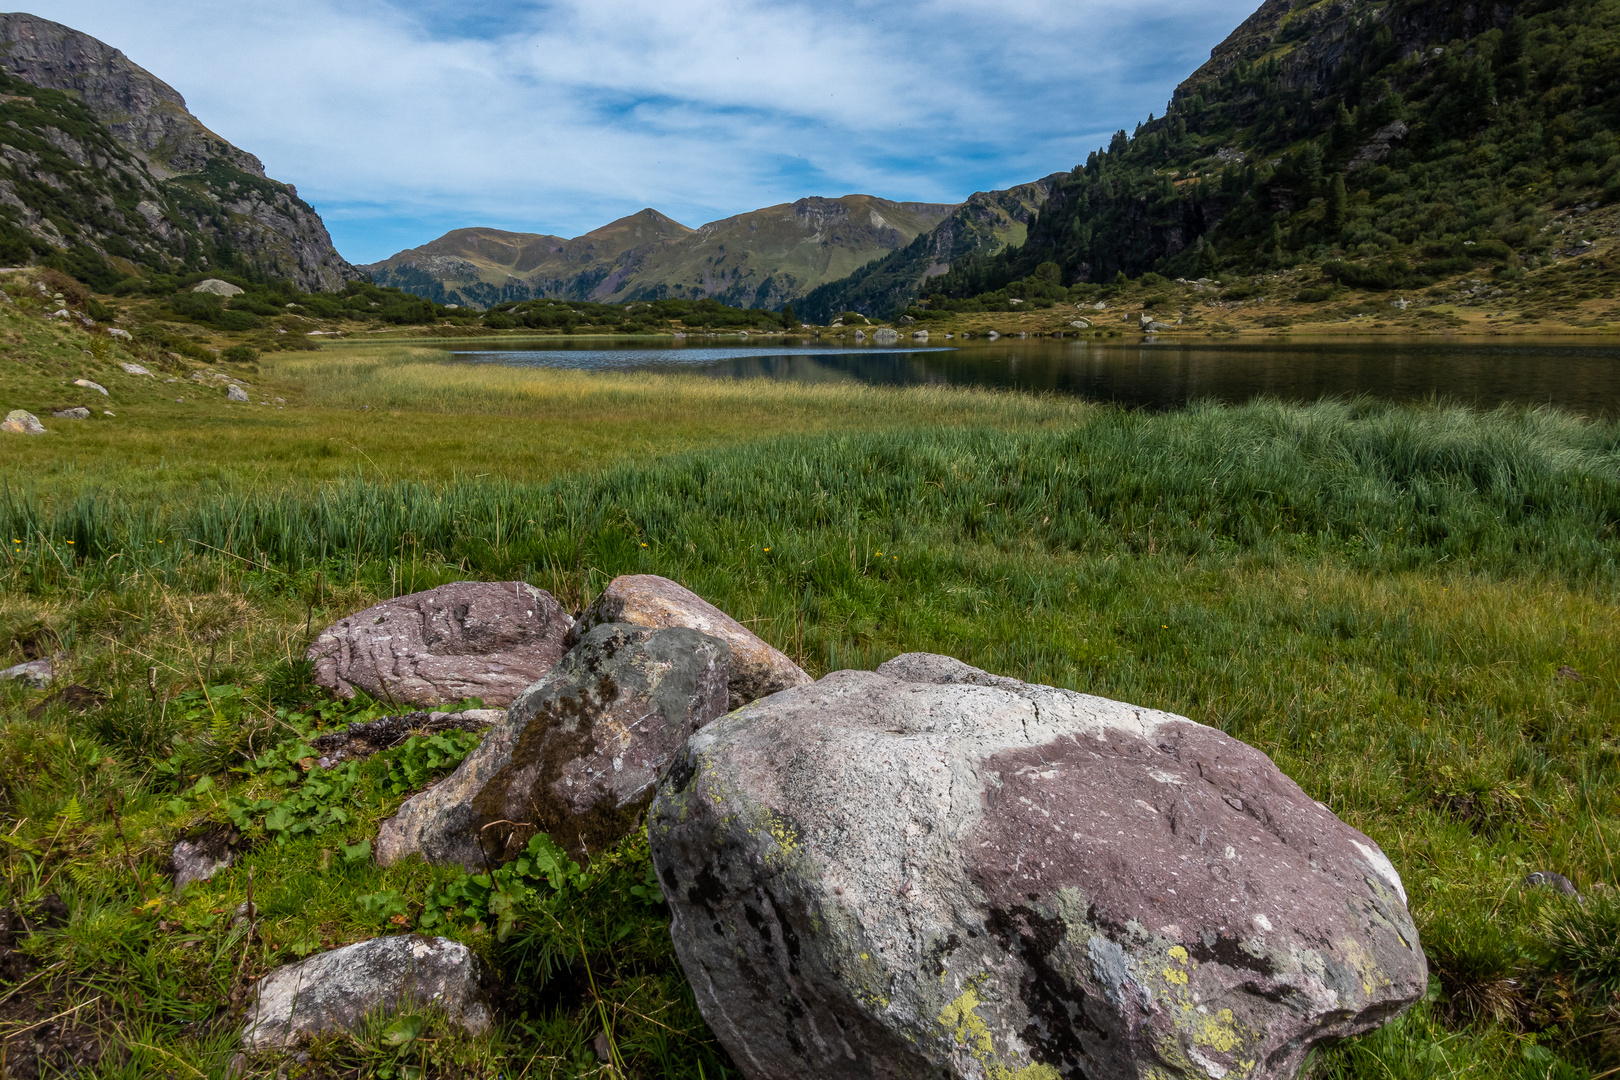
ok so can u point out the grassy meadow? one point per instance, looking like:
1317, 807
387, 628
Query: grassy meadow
1412, 610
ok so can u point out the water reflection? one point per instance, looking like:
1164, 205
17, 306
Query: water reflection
1574, 375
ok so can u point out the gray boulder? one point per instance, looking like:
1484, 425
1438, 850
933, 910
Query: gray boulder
235, 393
78, 412
928, 871
885, 336
88, 385
334, 991
21, 422
217, 287
577, 755
757, 669
920, 335
36, 673
485, 639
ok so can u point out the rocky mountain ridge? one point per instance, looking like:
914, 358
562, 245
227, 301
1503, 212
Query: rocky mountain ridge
116, 172
761, 259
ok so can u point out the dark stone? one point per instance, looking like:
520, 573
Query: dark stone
757, 668
576, 756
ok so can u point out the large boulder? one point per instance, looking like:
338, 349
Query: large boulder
926, 871
757, 669
483, 639
577, 756
334, 991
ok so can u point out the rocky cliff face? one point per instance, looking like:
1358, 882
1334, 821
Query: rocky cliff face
201, 202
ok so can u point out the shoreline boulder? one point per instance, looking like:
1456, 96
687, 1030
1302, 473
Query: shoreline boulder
932, 871
757, 669
482, 639
577, 756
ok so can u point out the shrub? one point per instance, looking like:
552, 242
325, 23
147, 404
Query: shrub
240, 354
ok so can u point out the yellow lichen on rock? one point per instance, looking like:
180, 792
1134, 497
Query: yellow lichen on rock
971, 1033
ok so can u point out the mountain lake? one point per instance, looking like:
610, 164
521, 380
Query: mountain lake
1577, 375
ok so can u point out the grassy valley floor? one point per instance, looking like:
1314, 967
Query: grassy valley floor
1412, 610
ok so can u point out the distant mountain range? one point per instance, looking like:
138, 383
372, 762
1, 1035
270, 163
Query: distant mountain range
762, 259
105, 169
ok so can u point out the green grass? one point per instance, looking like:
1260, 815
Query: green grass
1381, 598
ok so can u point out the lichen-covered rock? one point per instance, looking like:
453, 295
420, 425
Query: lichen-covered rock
334, 991
22, 422
577, 755
479, 639
970, 878
757, 669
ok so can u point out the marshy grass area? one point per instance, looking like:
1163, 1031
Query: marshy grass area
1412, 610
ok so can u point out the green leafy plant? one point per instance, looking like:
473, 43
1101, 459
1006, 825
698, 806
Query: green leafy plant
425, 756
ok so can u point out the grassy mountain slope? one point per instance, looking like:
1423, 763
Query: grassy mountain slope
986, 223
764, 258
1390, 144
104, 170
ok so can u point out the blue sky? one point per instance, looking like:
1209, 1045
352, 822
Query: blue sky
402, 119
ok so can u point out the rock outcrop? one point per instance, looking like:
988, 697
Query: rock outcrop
757, 669
576, 756
930, 871
480, 639
336, 990
165, 187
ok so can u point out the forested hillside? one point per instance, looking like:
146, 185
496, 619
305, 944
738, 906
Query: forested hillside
1390, 143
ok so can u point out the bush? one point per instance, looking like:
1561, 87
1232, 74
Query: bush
240, 354
1379, 276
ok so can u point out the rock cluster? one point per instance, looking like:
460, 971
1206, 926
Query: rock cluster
926, 870
959, 875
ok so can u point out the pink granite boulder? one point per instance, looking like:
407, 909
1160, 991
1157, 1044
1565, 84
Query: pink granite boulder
483, 639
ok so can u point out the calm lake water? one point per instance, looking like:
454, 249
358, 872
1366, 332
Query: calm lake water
1577, 376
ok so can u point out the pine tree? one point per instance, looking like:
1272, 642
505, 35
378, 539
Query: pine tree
1338, 205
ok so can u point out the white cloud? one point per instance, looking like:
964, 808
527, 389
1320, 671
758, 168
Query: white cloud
401, 119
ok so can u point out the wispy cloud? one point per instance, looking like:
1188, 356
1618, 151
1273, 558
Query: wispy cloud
399, 119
